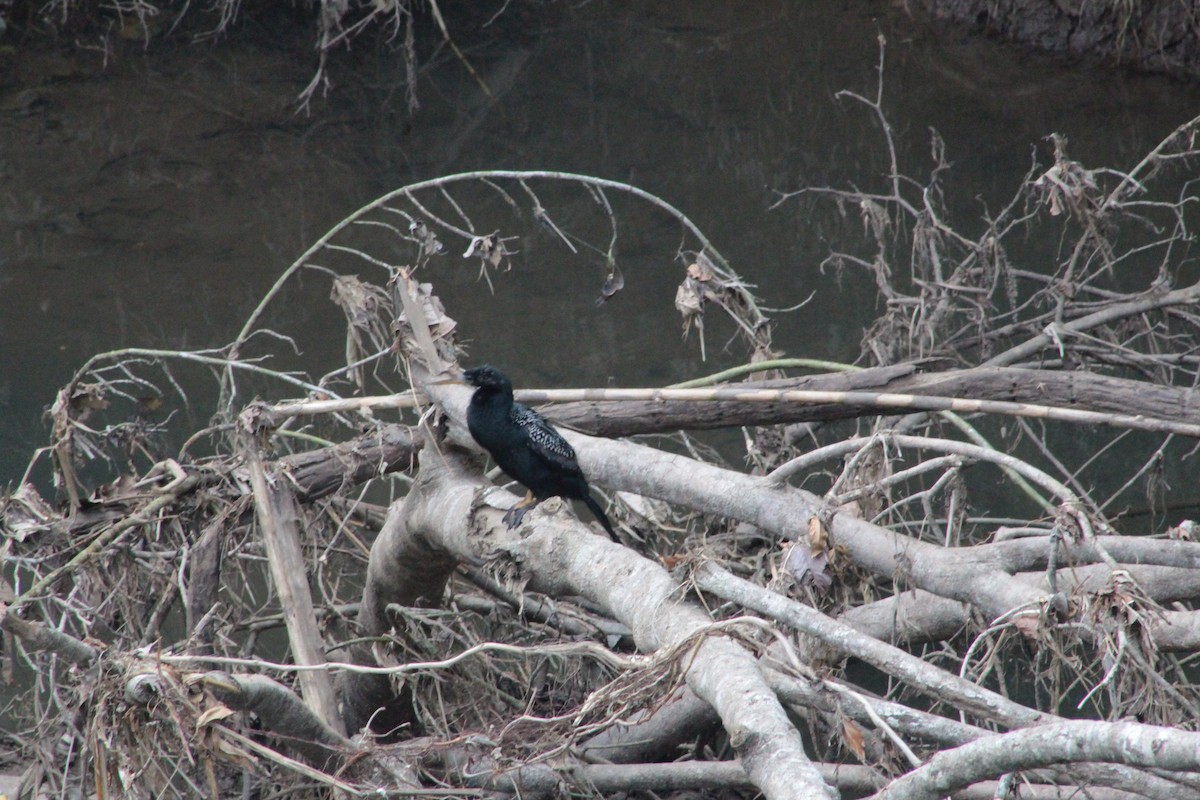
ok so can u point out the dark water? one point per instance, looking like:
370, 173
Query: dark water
151, 201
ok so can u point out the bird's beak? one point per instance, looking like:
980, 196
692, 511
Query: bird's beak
460, 380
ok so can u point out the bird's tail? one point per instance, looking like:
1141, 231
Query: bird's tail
598, 512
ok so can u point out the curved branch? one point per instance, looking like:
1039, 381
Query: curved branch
1127, 743
481, 175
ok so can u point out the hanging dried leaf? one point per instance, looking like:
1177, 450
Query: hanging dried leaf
255, 419
441, 325
428, 242
690, 303
489, 249
1067, 186
422, 329
876, 220
613, 283
359, 301
367, 310
701, 269
852, 737
86, 398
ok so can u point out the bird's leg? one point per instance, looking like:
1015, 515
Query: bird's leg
514, 515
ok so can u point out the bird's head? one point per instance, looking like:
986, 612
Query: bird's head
486, 377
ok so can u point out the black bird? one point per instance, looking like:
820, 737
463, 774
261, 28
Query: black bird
525, 445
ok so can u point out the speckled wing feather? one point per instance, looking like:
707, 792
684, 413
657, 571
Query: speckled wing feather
544, 440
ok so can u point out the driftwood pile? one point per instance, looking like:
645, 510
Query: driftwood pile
958, 568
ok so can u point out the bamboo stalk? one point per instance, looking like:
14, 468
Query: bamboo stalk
278, 522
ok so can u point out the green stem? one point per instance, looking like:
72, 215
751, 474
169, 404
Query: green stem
763, 366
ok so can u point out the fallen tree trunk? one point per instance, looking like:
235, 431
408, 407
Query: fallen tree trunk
559, 558
1070, 390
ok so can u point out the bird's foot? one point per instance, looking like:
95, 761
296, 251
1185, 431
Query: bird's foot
513, 517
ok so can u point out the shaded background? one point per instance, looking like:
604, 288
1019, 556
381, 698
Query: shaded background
150, 195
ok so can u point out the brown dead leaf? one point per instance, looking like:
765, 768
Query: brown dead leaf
852, 737
253, 419
1055, 206
489, 249
1027, 625
818, 536
703, 269
214, 714
86, 398
124, 488
430, 246
441, 325
1185, 531
808, 559
688, 300
672, 561
359, 301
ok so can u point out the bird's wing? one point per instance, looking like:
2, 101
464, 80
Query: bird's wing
544, 440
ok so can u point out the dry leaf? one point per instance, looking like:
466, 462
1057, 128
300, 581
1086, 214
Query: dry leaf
1027, 625
700, 270
1184, 531
86, 398
214, 714
671, 562
688, 300
235, 753
26, 512
360, 301
426, 239
809, 566
490, 249
613, 283
852, 737
818, 536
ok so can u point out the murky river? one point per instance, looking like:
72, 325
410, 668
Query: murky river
148, 197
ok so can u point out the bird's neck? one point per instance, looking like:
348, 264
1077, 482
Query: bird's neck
489, 403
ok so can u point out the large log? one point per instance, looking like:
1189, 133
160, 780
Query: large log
1072, 390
